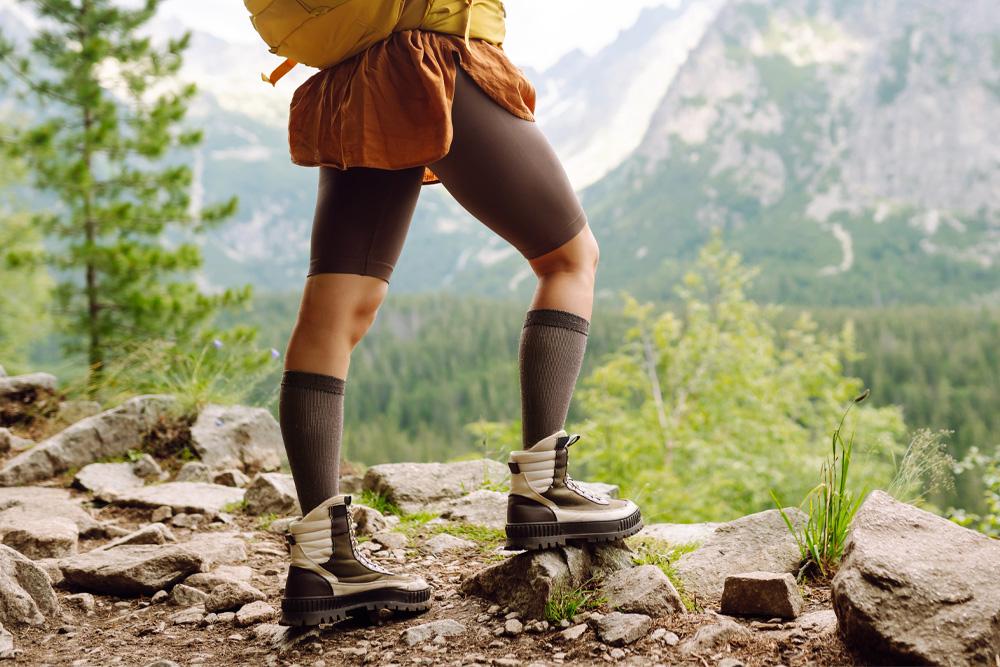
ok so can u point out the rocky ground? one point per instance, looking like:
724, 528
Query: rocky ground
133, 537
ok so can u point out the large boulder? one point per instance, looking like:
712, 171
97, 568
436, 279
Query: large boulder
135, 569
417, 487
679, 533
200, 497
758, 542
26, 595
46, 529
482, 507
108, 434
272, 493
237, 436
915, 588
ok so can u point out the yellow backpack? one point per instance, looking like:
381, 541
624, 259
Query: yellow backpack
322, 33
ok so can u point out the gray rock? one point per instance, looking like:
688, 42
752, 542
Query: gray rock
32, 496
190, 497
48, 505
481, 507
443, 542
513, 627
758, 542
224, 574
147, 467
679, 533
161, 662
9, 441
916, 588
445, 627
367, 520
710, 638
619, 629
153, 533
352, 484
390, 540
761, 594
51, 567
108, 434
70, 412
665, 636
85, 601
232, 595
106, 480
7, 650
573, 632
185, 520
131, 570
731, 662
255, 612
190, 616
272, 493
20, 390
230, 477
26, 595
238, 436
161, 513
218, 548
194, 471
642, 590
426, 486
187, 596
38, 534
819, 622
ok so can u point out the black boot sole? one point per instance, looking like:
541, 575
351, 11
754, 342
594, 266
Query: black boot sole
550, 534
303, 611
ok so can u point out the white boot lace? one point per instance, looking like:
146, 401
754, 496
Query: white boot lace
571, 483
358, 553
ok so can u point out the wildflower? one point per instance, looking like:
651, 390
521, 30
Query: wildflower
274, 353
217, 343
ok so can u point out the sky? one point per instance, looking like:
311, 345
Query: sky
538, 32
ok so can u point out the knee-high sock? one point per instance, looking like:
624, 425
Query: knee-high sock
551, 354
311, 416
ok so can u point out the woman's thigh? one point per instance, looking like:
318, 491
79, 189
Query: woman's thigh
361, 220
503, 171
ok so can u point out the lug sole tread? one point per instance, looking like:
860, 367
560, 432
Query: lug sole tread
548, 535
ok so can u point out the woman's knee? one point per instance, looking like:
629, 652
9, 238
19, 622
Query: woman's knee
340, 307
579, 255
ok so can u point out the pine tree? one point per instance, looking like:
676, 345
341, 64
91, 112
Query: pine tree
105, 151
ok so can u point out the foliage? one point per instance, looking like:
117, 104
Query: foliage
925, 468
696, 415
380, 502
102, 148
831, 505
566, 602
664, 555
213, 367
987, 466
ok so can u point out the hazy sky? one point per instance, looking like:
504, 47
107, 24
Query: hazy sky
538, 31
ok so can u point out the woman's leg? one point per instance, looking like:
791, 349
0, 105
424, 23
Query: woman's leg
503, 170
362, 217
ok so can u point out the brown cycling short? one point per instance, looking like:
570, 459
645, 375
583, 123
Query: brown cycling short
499, 167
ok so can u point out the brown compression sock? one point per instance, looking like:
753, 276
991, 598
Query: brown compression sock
550, 356
311, 416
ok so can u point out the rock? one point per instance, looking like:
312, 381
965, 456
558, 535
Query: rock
236, 436
130, 570
19, 392
194, 471
85, 601
153, 533
642, 590
232, 595
513, 627
190, 616
161, 513
108, 434
51, 567
352, 484
679, 533
146, 467
445, 627
7, 650
32, 496
26, 595
37, 534
224, 574
159, 597
426, 486
70, 412
761, 594
161, 662
665, 636
185, 520
481, 507
916, 588
9, 441
758, 542
272, 493
106, 480
818, 622
197, 497
443, 542
619, 629
574, 632
599, 488
731, 662
390, 540
710, 638
255, 612
231, 477
217, 548
26, 507
187, 596
524, 582
367, 520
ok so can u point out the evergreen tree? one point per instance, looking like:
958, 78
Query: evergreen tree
104, 147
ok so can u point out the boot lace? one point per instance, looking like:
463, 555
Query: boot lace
571, 483
358, 553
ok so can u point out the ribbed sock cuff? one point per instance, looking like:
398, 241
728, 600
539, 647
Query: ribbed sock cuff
557, 318
306, 380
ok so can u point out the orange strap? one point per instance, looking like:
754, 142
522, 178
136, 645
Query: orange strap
279, 71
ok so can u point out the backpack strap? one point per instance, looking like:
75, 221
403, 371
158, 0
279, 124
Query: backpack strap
279, 71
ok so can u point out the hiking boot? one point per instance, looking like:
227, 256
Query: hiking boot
329, 576
547, 508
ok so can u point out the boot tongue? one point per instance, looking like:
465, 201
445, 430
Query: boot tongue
548, 443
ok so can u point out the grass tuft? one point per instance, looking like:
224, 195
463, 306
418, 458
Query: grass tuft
565, 603
380, 502
664, 555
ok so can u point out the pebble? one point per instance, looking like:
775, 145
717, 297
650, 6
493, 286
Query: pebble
618, 654
513, 627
